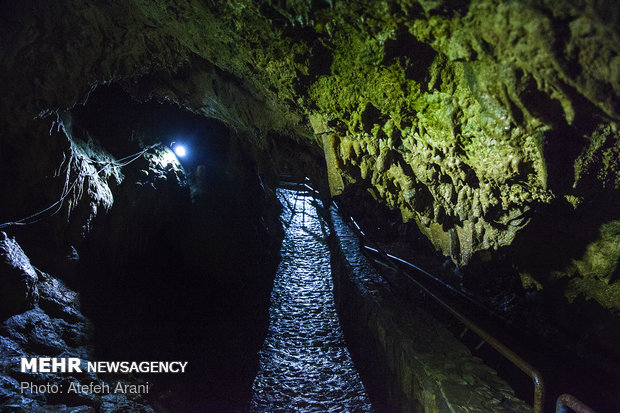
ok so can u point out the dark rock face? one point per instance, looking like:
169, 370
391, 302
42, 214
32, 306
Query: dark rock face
180, 234
182, 266
54, 326
18, 289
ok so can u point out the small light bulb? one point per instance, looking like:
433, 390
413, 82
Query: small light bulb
180, 150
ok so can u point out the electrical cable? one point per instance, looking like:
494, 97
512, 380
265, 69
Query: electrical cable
68, 189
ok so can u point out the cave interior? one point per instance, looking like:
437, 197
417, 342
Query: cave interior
478, 140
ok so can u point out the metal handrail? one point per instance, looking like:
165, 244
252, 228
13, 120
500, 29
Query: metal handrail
570, 401
534, 374
563, 401
443, 284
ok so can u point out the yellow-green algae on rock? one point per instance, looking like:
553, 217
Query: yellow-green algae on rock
465, 116
596, 275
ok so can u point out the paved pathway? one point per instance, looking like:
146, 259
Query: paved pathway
304, 363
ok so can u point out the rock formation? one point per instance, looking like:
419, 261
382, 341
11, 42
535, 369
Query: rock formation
492, 125
465, 117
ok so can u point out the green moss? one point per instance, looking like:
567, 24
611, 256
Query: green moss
529, 282
451, 120
594, 275
606, 295
600, 161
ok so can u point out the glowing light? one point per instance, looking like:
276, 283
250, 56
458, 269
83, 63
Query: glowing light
180, 150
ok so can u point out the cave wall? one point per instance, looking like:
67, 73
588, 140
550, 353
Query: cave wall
411, 363
477, 120
129, 234
42, 317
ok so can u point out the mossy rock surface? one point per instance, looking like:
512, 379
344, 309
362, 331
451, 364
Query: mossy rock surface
467, 117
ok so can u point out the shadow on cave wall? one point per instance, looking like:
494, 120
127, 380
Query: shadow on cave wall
557, 235
165, 277
560, 232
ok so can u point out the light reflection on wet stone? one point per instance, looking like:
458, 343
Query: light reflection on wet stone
304, 362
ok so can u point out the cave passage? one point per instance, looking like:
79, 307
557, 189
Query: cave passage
304, 362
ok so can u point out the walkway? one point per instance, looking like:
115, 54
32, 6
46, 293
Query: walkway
304, 363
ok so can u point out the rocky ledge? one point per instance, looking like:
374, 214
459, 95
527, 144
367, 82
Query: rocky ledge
41, 318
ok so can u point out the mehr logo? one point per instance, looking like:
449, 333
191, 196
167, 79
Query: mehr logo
72, 365
51, 365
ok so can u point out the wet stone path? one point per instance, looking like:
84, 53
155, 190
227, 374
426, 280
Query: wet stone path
304, 363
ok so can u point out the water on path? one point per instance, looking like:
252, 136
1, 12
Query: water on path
305, 365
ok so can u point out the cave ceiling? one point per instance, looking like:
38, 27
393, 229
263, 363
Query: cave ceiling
467, 117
